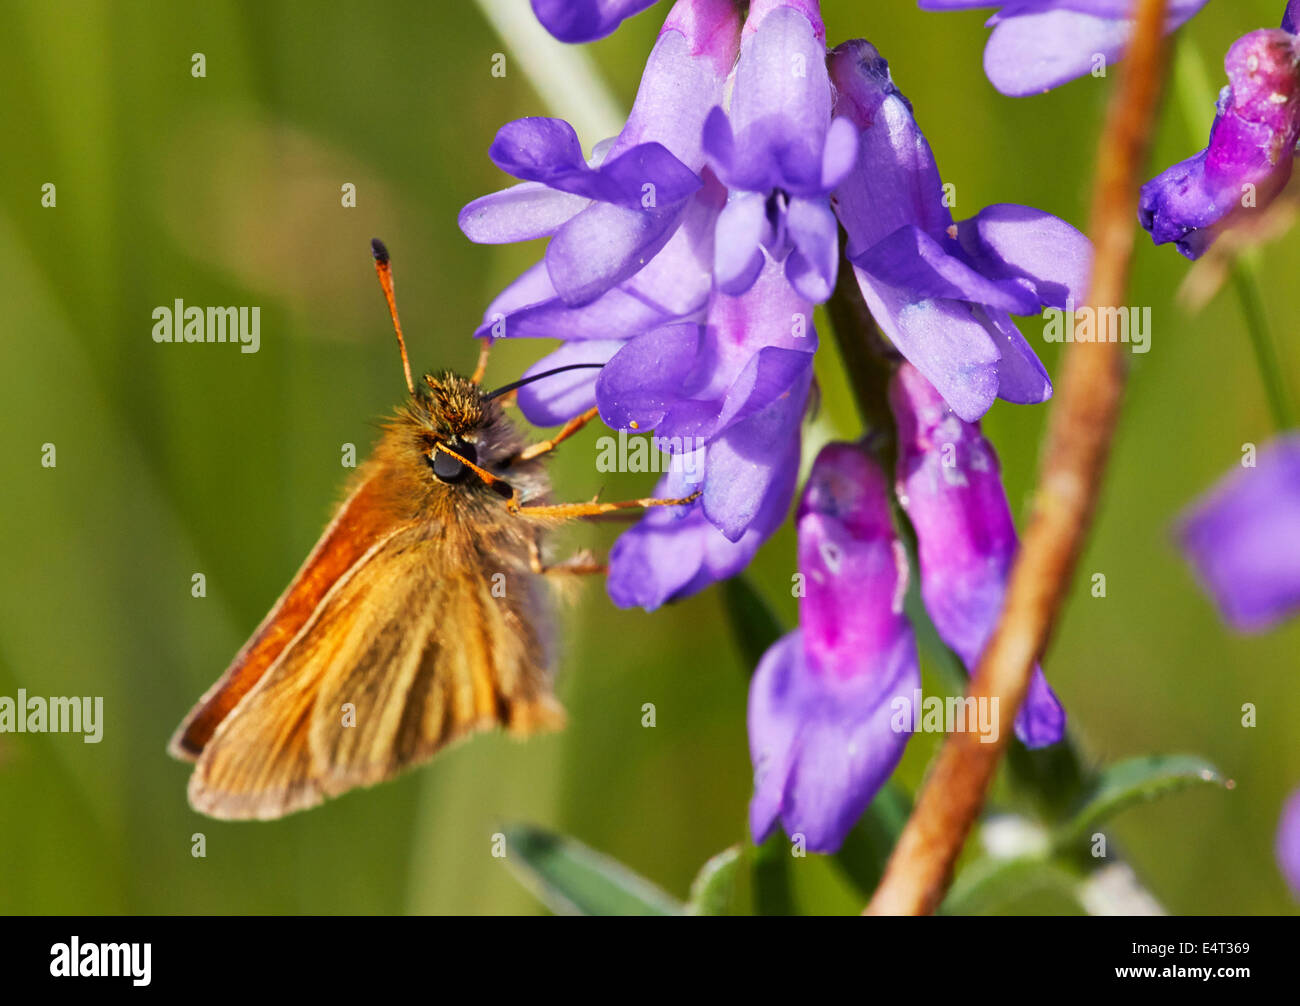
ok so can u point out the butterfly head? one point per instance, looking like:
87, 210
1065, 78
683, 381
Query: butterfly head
459, 435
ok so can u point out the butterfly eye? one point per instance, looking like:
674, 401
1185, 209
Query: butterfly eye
448, 468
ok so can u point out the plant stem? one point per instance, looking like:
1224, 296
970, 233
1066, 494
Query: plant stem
1270, 369
1080, 431
861, 348
565, 77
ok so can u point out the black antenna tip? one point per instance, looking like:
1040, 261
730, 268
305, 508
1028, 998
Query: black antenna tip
378, 250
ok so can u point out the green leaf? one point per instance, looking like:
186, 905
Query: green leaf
571, 879
1053, 778
753, 623
712, 887
1135, 781
989, 883
772, 893
866, 849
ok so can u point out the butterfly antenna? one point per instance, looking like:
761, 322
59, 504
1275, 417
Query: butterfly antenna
384, 269
537, 377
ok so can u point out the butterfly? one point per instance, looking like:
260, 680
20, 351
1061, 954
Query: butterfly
419, 618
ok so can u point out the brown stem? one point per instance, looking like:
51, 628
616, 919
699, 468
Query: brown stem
1079, 434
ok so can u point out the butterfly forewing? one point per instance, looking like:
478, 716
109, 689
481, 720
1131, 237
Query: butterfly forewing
380, 678
360, 522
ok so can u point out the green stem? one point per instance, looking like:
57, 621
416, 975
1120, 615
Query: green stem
1245, 281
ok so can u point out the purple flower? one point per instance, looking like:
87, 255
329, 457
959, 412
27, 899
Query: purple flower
779, 154
1243, 538
943, 292
585, 20
950, 487
820, 702
1288, 843
1251, 149
673, 552
608, 217
737, 383
1039, 44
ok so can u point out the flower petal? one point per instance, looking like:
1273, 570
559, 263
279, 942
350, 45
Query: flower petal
943, 339
1022, 378
605, 244
1009, 242
894, 182
814, 262
780, 104
821, 703
674, 285
911, 260
1251, 148
674, 552
840, 153
737, 255
648, 376
948, 481
1037, 52
557, 399
1288, 840
520, 213
585, 20
684, 79
752, 455
538, 149
1243, 538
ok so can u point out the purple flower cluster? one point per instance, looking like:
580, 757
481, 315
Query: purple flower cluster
686, 256
1251, 150
824, 723
1037, 45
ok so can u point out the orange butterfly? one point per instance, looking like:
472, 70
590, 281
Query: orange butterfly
416, 620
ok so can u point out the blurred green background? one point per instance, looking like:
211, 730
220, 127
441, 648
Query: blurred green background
174, 460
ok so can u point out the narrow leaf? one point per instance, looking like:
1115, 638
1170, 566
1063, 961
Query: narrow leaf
753, 623
988, 884
571, 879
712, 887
865, 851
772, 892
1135, 781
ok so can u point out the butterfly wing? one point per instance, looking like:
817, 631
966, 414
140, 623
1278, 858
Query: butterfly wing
405, 654
360, 522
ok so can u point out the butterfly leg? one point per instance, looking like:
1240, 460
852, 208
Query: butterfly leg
593, 508
568, 430
481, 368
584, 563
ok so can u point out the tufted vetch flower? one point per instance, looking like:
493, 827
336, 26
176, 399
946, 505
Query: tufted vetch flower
1251, 149
821, 700
779, 153
942, 291
1243, 538
950, 487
